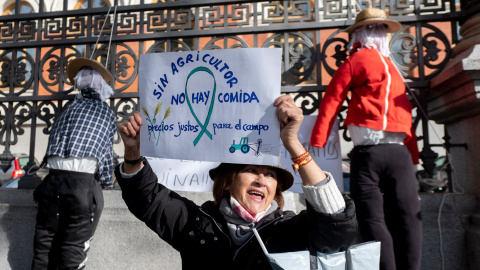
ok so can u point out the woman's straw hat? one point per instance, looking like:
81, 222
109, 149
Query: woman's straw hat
374, 15
283, 174
76, 64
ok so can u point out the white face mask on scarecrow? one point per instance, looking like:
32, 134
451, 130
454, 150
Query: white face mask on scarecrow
88, 77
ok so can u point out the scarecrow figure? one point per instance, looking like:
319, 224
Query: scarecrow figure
379, 120
80, 156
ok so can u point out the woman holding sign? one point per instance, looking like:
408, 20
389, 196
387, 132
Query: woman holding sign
218, 234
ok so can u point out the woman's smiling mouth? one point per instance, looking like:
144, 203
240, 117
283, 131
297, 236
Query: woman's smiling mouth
256, 195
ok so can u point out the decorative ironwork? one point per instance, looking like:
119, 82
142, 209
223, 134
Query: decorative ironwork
22, 112
124, 108
235, 42
309, 102
35, 48
4, 123
46, 112
53, 69
340, 52
423, 58
299, 56
169, 46
16, 72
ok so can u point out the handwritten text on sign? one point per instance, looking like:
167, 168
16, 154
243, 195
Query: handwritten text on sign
328, 158
186, 175
211, 105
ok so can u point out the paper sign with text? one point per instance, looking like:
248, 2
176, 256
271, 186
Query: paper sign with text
212, 105
328, 158
187, 175
183, 175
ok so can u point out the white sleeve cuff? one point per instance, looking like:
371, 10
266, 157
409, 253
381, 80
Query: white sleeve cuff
128, 175
325, 198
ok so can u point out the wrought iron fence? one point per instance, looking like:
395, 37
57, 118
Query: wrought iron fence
36, 47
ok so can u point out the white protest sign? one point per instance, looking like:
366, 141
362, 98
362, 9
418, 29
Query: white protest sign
211, 105
187, 175
183, 175
328, 158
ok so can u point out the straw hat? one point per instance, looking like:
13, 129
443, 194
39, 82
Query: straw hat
77, 63
374, 15
283, 174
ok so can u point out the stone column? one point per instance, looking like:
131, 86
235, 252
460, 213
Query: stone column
454, 100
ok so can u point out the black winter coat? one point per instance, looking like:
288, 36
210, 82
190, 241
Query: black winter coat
201, 235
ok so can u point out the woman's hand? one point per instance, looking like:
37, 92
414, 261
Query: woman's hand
290, 118
130, 132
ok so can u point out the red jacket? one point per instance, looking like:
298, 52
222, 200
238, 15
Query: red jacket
378, 99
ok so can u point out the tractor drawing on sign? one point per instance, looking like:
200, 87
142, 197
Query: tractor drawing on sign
244, 146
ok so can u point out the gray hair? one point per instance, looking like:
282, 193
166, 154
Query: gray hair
373, 35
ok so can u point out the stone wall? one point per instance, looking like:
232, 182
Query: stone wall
122, 242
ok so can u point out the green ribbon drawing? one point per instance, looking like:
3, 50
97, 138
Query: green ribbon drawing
204, 126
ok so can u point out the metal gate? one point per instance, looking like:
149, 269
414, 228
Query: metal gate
35, 48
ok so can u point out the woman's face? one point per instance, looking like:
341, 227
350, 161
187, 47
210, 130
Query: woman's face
254, 187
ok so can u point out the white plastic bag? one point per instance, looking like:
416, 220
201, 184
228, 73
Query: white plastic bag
364, 256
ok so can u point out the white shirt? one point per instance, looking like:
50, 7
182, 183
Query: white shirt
368, 136
76, 164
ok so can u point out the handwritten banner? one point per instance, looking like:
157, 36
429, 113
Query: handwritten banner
328, 158
183, 175
211, 105
187, 175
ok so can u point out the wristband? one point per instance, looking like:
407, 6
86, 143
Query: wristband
301, 157
301, 160
133, 162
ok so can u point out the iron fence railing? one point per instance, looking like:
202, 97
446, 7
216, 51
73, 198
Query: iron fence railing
35, 48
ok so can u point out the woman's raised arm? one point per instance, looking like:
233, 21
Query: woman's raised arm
130, 132
291, 118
